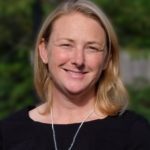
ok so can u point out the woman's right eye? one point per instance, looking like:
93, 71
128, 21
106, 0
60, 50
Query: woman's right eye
65, 45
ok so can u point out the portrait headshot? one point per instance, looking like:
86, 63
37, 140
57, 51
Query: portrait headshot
83, 103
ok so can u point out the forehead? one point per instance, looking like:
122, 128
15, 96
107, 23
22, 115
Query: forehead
75, 17
79, 25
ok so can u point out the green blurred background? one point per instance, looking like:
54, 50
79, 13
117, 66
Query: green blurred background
20, 21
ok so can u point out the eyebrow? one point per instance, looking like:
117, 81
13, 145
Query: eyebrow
95, 42
68, 39
88, 42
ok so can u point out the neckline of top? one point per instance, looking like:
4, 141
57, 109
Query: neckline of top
70, 124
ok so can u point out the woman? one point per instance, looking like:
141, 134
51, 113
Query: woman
84, 101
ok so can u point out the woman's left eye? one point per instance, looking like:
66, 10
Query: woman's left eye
92, 48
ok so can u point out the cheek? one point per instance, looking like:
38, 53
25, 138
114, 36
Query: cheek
98, 67
57, 57
96, 63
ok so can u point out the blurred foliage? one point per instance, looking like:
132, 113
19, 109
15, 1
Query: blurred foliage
140, 100
16, 88
20, 21
131, 19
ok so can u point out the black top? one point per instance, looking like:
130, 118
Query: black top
123, 132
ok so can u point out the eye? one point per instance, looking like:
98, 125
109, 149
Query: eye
65, 45
93, 48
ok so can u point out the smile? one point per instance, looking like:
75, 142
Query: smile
75, 73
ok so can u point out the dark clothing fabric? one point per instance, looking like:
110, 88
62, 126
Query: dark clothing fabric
122, 132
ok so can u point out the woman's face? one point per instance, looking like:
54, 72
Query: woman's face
75, 53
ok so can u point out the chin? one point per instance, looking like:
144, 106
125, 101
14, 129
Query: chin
76, 92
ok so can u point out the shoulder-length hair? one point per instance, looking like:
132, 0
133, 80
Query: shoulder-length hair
111, 95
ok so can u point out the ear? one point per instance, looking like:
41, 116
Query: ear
43, 52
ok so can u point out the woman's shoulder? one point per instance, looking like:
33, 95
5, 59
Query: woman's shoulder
128, 128
138, 129
16, 123
19, 131
131, 120
18, 116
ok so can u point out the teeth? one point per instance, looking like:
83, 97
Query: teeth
78, 72
75, 74
75, 71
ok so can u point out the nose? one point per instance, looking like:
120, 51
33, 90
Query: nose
78, 57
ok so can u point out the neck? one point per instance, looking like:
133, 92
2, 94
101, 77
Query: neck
72, 109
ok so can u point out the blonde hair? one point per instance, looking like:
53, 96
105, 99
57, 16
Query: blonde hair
111, 95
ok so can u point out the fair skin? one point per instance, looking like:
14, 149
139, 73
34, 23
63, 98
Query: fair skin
75, 54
